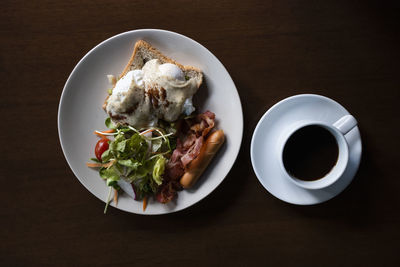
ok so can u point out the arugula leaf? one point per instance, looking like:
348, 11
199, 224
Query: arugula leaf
139, 146
110, 124
111, 182
124, 129
95, 160
153, 186
144, 186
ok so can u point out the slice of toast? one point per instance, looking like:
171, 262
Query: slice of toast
143, 52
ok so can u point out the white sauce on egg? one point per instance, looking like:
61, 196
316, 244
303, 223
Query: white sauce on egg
158, 91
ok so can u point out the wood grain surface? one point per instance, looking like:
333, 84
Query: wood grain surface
346, 50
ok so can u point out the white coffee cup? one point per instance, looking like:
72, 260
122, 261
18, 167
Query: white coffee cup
339, 129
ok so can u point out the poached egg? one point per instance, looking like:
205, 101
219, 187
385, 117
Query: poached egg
157, 91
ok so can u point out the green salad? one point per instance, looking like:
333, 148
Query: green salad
138, 156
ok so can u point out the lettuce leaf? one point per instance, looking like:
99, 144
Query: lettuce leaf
106, 156
156, 145
114, 145
158, 169
120, 146
109, 173
138, 145
131, 163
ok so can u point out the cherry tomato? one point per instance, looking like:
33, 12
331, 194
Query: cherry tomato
101, 146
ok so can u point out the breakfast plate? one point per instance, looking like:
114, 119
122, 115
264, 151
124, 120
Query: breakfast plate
269, 129
80, 111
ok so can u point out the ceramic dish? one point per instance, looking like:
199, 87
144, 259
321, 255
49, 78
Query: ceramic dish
80, 111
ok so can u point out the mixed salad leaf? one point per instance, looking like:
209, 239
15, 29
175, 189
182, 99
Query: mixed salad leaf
138, 156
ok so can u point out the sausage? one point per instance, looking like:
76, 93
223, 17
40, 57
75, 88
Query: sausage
200, 163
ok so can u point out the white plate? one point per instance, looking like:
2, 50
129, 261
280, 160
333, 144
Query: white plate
80, 111
272, 125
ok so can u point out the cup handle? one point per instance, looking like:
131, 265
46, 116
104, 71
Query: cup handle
345, 124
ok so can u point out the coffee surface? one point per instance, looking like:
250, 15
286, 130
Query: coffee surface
310, 153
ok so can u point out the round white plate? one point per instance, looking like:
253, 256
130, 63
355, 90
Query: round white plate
80, 111
272, 125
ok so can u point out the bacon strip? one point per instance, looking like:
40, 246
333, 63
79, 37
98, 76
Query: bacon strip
205, 123
192, 152
168, 192
190, 140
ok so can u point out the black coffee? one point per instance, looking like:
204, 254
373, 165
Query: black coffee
310, 153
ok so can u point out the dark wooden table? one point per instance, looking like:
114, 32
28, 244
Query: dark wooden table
272, 49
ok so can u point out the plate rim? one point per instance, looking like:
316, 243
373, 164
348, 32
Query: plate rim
240, 120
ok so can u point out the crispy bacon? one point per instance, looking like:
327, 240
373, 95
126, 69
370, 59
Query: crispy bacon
192, 152
204, 123
168, 191
191, 135
174, 170
191, 138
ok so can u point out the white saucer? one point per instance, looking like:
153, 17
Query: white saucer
270, 127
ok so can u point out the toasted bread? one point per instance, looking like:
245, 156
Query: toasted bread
143, 52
